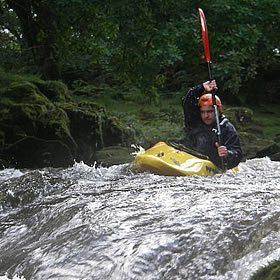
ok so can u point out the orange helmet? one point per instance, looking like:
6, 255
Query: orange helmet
206, 100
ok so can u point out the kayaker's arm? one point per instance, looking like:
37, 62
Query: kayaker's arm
193, 95
190, 107
190, 100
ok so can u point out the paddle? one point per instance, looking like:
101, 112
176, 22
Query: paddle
208, 61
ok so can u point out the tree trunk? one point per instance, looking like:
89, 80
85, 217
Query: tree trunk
39, 29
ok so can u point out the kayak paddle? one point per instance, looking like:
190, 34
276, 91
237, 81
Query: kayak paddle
208, 61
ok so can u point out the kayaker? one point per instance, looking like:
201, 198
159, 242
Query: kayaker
201, 127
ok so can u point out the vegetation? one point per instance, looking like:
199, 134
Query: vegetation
153, 45
268, 116
129, 54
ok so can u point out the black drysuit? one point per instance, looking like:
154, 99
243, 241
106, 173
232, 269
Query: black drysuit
202, 138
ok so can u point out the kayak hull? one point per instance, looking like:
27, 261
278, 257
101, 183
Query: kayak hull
163, 159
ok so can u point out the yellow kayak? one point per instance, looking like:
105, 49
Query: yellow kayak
174, 160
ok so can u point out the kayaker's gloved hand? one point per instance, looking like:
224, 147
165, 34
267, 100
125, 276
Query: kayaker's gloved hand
210, 86
222, 150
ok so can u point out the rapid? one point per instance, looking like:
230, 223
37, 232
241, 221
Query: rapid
88, 222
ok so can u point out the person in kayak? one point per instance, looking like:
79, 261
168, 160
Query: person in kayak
202, 130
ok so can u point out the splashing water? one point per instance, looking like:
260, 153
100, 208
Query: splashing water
112, 223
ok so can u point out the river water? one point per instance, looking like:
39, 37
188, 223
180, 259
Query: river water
112, 223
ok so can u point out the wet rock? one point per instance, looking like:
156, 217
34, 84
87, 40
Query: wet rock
277, 138
275, 157
32, 152
272, 151
252, 143
114, 155
41, 125
252, 138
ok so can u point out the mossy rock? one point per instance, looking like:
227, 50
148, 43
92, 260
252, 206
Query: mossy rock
55, 91
43, 121
114, 132
270, 272
239, 116
93, 129
54, 131
33, 152
251, 143
2, 138
91, 107
275, 157
24, 93
114, 155
272, 151
277, 138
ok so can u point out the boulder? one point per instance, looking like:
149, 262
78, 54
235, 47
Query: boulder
252, 138
41, 125
239, 116
272, 151
114, 155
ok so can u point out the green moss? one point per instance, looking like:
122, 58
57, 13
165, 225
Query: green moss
91, 106
270, 272
6, 78
268, 117
114, 155
28, 112
56, 118
244, 133
24, 92
55, 91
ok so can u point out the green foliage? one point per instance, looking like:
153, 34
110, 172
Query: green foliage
8, 77
268, 117
152, 45
242, 38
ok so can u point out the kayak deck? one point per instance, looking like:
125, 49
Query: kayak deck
164, 159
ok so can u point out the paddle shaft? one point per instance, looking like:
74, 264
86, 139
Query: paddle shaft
208, 61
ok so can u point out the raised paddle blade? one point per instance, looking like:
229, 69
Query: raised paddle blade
208, 60
204, 35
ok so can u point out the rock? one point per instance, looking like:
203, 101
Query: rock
41, 125
252, 138
275, 157
272, 151
251, 142
55, 91
239, 115
114, 155
32, 152
277, 138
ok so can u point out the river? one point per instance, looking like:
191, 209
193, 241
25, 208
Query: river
112, 223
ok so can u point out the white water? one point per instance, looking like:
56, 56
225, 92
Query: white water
110, 223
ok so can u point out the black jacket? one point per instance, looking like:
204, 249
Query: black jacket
202, 138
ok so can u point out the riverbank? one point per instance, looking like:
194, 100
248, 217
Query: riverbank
257, 125
131, 107
47, 123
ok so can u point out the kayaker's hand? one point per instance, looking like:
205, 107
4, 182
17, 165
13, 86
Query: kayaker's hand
210, 86
222, 150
